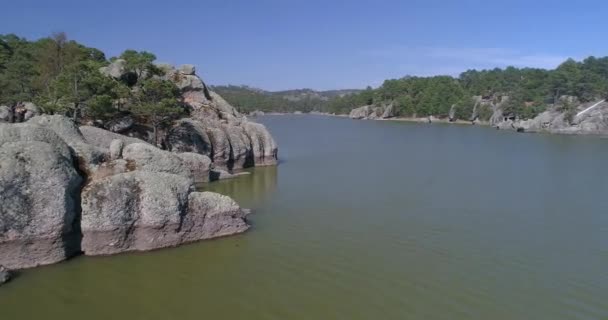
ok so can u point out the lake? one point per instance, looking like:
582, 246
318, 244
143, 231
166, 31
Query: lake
371, 220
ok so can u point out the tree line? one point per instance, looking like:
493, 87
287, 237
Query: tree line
62, 76
530, 92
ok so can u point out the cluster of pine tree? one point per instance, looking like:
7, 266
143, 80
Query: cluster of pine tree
530, 90
63, 77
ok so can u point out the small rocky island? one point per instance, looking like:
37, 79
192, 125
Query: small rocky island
116, 185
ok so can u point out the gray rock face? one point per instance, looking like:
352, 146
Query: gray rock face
216, 129
28, 132
198, 164
187, 69
116, 69
373, 112
148, 158
6, 114
103, 138
116, 149
5, 275
186, 82
120, 124
139, 211
39, 192
263, 147
89, 156
188, 135
212, 215
241, 152
594, 121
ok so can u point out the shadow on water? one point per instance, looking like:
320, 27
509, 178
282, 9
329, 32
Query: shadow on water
248, 190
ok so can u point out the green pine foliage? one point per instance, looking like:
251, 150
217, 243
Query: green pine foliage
63, 77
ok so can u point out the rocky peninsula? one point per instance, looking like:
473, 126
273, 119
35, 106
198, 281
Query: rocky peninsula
119, 185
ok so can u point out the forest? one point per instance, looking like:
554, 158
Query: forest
530, 91
62, 76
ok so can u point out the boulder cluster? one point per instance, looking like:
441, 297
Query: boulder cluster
106, 189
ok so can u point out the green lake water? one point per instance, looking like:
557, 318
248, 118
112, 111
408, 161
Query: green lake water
371, 220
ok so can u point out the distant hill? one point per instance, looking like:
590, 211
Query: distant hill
247, 99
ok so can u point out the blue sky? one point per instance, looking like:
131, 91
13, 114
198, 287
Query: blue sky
275, 45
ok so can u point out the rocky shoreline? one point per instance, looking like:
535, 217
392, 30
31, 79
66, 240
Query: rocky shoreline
589, 118
68, 190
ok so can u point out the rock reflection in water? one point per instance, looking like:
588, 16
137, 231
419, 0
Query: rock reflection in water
247, 190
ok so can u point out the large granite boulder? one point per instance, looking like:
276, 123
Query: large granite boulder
187, 69
373, 112
148, 158
39, 192
189, 135
139, 211
199, 165
241, 152
360, 113
554, 120
103, 138
29, 132
216, 129
89, 156
263, 147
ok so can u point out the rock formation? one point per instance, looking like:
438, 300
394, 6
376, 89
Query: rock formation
373, 112
214, 128
107, 188
39, 192
139, 211
62, 194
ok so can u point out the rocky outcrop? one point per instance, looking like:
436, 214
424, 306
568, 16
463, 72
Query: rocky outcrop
189, 135
89, 156
263, 147
139, 211
6, 114
145, 157
593, 121
138, 197
198, 164
39, 192
103, 138
215, 128
373, 112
